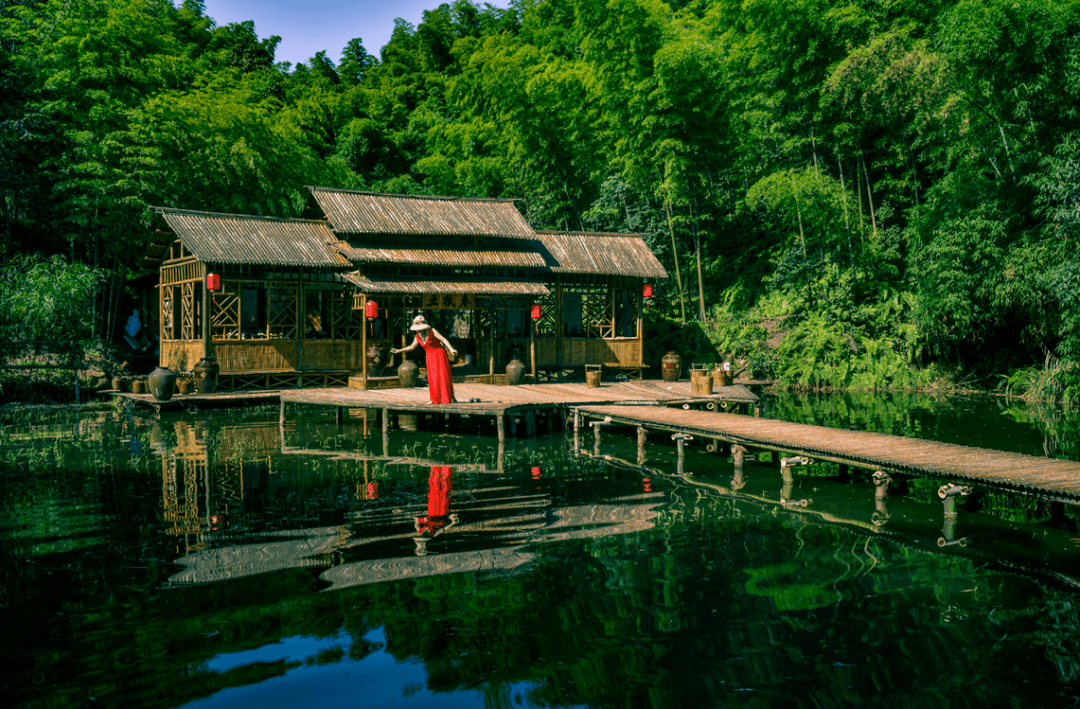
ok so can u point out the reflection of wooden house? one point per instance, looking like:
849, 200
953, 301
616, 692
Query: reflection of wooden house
295, 294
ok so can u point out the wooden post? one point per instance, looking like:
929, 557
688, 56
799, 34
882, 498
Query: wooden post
532, 346
558, 328
339, 415
642, 434
363, 340
300, 315
204, 315
530, 423
386, 431
491, 345
500, 428
577, 432
596, 438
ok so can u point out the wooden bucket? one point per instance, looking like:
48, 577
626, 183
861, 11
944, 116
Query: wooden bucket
592, 375
721, 377
701, 381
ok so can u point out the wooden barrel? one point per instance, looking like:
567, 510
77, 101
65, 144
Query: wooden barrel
701, 382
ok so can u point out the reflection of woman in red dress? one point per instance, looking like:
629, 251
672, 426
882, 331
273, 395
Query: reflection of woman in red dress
440, 485
436, 347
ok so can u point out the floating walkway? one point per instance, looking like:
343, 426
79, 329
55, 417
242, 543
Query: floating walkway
863, 449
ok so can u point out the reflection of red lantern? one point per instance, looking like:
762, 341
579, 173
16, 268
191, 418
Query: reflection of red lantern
373, 491
536, 472
371, 310
213, 281
647, 290
536, 311
648, 484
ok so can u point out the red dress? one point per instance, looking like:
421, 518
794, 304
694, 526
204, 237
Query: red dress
440, 381
440, 485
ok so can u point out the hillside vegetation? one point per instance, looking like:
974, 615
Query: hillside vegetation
847, 193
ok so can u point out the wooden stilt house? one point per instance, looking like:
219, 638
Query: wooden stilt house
300, 302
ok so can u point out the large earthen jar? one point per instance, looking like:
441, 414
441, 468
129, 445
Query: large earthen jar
162, 382
206, 375
376, 360
515, 370
671, 367
408, 374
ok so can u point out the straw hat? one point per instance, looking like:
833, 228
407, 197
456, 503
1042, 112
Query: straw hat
419, 323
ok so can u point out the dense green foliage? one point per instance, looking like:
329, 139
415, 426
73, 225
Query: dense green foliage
891, 187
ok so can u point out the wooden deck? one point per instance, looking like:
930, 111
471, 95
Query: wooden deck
488, 399
863, 449
180, 402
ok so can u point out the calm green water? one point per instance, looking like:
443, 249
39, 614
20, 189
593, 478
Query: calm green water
203, 561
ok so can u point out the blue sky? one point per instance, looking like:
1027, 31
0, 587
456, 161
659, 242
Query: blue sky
309, 26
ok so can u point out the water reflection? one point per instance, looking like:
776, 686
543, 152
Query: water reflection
218, 566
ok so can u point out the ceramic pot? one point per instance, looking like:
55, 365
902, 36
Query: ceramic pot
515, 370
118, 383
138, 386
206, 375
671, 367
376, 360
162, 382
408, 374
184, 386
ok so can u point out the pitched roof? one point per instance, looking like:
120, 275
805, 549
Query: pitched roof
600, 253
421, 286
245, 240
352, 212
440, 254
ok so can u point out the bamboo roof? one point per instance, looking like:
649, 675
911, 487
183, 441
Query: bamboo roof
600, 253
424, 286
438, 254
245, 240
353, 212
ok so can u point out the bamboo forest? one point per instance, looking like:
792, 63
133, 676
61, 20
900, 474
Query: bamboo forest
847, 194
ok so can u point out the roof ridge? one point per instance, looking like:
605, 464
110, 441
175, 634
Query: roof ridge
231, 215
640, 234
447, 198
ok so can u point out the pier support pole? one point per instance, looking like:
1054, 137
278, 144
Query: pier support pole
948, 494
881, 509
642, 434
680, 442
386, 432
596, 437
500, 428
786, 464
339, 415
738, 453
281, 422
530, 423
577, 432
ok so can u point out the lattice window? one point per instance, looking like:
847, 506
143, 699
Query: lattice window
281, 310
187, 312
168, 302
547, 325
225, 312
345, 323
590, 311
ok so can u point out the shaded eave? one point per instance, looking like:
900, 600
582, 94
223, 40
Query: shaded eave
600, 253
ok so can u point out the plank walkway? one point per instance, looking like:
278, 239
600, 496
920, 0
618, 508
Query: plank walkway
863, 449
495, 400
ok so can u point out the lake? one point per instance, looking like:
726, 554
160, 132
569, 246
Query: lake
203, 560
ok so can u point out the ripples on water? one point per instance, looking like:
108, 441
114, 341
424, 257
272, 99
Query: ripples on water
201, 561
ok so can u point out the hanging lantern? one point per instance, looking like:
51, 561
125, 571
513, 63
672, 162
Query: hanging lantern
536, 472
213, 281
536, 311
648, 484
371, 310
647, 290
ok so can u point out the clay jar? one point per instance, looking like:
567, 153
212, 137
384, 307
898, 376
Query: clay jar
671, 367
206, 375
515, 370
408, 374
162, 382
376, 361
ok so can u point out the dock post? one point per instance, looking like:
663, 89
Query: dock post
500, 428
786, 464
339, 414
738, 453
948, 494
596, 437
577, 434
680, 441
281, 416
386, 432
530, 423
881, 510
642, 434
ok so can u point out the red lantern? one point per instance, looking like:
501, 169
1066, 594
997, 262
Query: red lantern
372, 310
536, 472
536, 311
647, 290
213, 282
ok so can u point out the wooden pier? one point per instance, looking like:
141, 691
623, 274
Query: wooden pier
1049, 477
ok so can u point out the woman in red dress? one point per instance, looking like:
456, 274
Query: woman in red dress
436, 347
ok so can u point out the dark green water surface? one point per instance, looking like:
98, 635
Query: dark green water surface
203, 561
